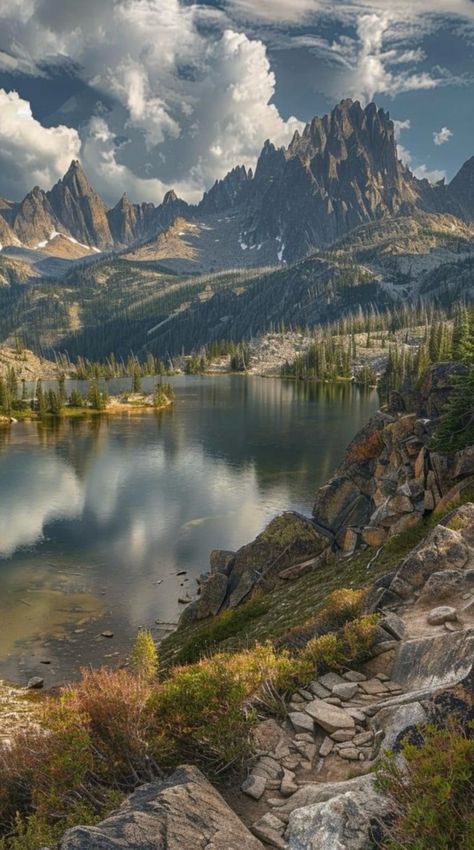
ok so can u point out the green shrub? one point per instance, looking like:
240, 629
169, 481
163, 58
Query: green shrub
204, 709
339, 607
334, 651
431, 793
144, 656
225, 625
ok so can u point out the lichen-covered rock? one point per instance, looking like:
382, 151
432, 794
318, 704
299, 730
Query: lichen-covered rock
443, 549
184, 811
441, 584
341, 823
335, 501
395, 723
289, 539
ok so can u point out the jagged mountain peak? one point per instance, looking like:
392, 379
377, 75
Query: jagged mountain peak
226, 193
170, 197
80, 208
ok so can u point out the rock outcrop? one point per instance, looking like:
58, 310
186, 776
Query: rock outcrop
289, 546
184, 811
390, 478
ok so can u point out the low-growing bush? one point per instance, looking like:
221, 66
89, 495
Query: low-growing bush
431, 791
223, 626
115, 704
334, 651
341, 606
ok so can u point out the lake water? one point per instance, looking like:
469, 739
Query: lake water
98, 515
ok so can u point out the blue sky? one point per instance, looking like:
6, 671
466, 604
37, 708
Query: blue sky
154, 94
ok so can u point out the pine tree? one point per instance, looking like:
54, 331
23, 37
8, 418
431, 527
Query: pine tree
136, 381
456, 428
41, 400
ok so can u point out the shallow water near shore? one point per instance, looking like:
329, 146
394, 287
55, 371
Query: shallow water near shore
99, 515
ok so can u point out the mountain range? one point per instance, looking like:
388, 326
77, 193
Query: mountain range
333, 223
341, 172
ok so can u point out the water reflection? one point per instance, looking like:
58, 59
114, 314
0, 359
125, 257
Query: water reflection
105, 511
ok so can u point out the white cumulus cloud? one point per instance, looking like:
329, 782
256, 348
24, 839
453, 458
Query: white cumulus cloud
189, 101
442, 136
31, 154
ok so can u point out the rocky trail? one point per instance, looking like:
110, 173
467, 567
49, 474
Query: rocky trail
339, 725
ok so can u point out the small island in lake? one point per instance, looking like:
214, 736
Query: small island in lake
41, 403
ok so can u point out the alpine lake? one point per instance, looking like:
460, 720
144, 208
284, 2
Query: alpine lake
107, 521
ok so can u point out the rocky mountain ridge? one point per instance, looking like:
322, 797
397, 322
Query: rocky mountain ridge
341, 172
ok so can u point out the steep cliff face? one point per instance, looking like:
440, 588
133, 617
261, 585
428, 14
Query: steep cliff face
80, 209
129, 221
341, 172
226, 193
35, 220
7, 236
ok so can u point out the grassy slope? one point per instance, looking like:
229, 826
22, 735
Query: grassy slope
290, 604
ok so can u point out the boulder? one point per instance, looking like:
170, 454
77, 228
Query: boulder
288, 785
213, 593
189, 614
329, 717
463, 463
347, 540
301, 721
183, 811
298, 570
220, 561
319, 792
245, 584
393, 624
254, 786
434, 661
443, 614
345, 691
397, 722
441, 585
374, 536
344, 822
334, 501
404, 523
443, 549
401, 504
35, 683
